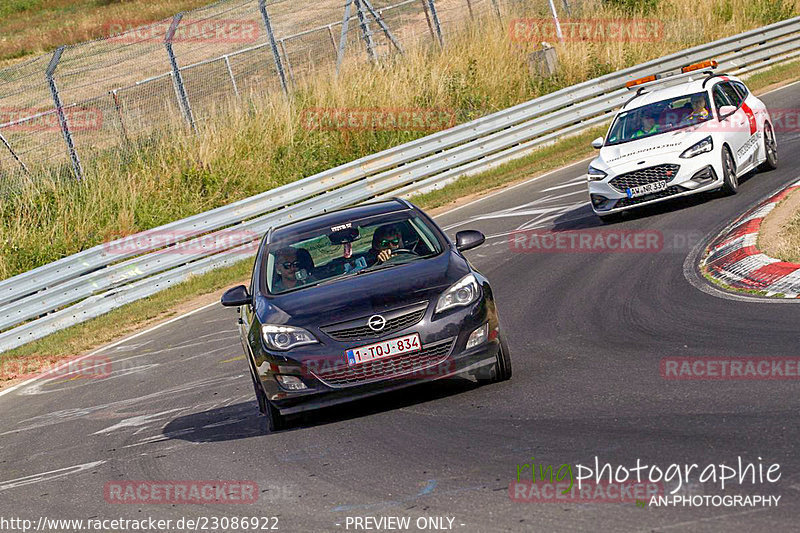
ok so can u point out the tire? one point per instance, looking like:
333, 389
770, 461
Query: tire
501, 371
771, 149
730, 183
275, 420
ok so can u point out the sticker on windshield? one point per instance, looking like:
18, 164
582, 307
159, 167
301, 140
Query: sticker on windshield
341, 227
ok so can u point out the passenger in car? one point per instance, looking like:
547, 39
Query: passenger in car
699, 111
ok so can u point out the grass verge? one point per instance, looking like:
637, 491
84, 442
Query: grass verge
780, 231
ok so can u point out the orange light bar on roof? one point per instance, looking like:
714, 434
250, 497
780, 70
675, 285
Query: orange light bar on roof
710, 63
633, 83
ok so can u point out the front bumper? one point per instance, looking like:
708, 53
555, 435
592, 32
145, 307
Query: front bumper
698, 174
446, 336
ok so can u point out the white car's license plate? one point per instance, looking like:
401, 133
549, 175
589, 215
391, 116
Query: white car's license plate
647, 188
406, 344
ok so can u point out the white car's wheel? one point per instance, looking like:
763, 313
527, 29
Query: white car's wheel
730, 181
770, 148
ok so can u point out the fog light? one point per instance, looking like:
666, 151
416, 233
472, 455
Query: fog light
478, 336
290, 382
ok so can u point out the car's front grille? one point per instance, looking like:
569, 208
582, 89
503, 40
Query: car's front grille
643, 176
627, 202
342, 375
359, 330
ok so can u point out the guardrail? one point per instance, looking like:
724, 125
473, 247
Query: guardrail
97, 280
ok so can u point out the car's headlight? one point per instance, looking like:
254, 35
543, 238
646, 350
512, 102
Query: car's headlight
285, 337
595, 174
706, 145
464, 292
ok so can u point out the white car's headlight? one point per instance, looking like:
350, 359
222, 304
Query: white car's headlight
285, 337
706, 145
463, 292
595, 174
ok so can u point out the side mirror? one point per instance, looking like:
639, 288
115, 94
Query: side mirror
726, 111
236, 296
597, 143
468, 239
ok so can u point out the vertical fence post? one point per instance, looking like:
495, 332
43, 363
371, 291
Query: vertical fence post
62, 118
555, 19
497, 10
365, 31
230, 73
435, 19
333, 39
428, 17
118, 109
469, 7
262, 6
13, 153
177, 79
343, 38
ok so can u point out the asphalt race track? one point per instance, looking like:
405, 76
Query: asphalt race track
587, 333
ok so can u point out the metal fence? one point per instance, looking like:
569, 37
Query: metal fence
97, 280
59, 109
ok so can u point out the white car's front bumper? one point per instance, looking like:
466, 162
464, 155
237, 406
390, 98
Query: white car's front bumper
697, 174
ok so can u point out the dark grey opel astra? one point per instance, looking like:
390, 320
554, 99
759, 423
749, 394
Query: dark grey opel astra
360, 301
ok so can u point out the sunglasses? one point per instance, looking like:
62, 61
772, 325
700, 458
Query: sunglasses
289, 265
387, 242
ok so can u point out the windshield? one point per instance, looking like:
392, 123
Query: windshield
349, 249
659, 117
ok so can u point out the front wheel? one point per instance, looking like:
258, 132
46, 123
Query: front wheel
274, 417
501, 371
730, 183
771, 149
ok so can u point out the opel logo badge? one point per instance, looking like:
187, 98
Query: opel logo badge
376, 322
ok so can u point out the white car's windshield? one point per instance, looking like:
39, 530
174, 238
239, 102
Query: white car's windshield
659, 117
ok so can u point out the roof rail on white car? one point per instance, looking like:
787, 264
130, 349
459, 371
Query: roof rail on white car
669, 79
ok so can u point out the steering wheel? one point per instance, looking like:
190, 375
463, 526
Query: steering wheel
400, 252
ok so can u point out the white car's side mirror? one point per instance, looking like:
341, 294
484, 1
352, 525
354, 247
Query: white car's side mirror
597, 143
726, 111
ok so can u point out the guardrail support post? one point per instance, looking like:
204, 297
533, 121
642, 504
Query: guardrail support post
343, 37
436, 24
62, 118
13, 153
177, 79
262, 6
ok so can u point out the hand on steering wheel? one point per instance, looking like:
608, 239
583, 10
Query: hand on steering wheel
387, 254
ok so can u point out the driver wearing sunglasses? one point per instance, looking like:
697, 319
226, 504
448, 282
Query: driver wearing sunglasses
286, 267
384, 240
